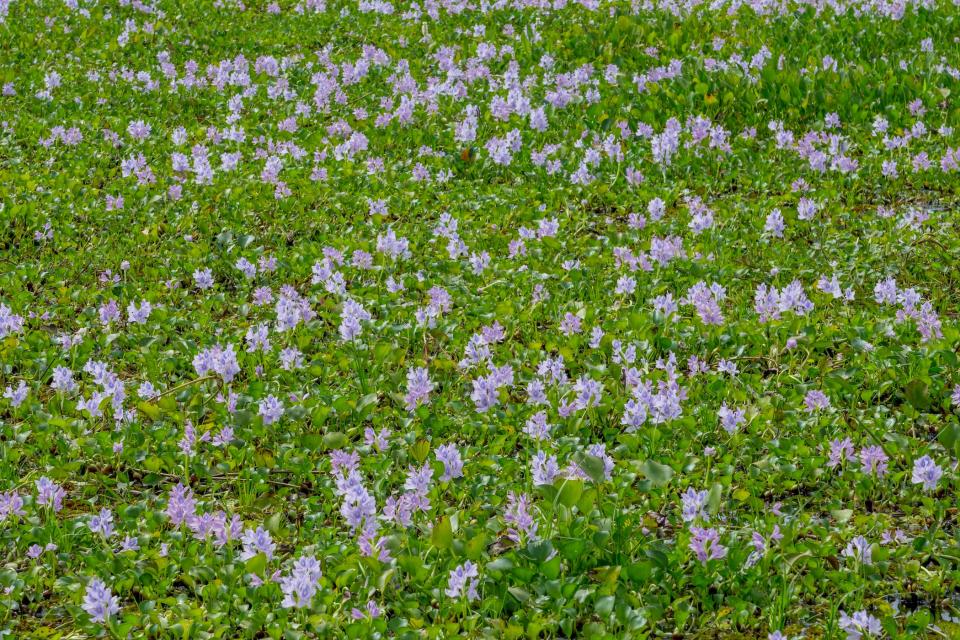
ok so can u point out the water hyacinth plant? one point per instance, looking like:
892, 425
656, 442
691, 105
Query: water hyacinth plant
458, 318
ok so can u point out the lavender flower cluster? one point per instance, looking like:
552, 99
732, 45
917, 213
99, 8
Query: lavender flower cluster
453, 318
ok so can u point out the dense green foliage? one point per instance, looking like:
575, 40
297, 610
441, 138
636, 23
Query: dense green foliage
676, 283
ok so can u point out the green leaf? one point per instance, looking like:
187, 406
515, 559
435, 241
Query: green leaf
476, 545
312, 441
256, 565
500, 564
570, 492
551, 568
442, 536
420, 451
152, 411
519, 593
950, 435
714, 498
658, 474
916, 392
540, 550
604, 605
591, 465
319, 415
548, 491
273, 523
368, 401
381, 351
335, 440
842, 515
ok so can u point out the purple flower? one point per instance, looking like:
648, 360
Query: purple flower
180, 505
449, 455
476, 352
859, 549
666, 306
730, 419
440, 301
815, 400
553, 369
49, 494
262, 296
518, 518
770, 303
63, 380
189, 438
928, 323
544, 469
11, 504
258, 338
139, 315
659, 407
300, 585
18, 395
840, 450
537, 426
256, 541
759, 543
98, 602
373, 610
393, 246
596, 335
291, 358
270, 409
705, 544
626, 285
379, 440
599, 450
926, 472
484, 393
10, 322
292, 309
130, 543
860, 624
727, 366
419, 387
588, 392
353, 314
267, 264
203, 278
418, 481
223, 437
114, 203
806, 209
479, 262
832, 286
694, 505
774, 224
873, 460
247, 268
570, 324
102, 523
219, 359
464, 576
663, 250
536, 394
109, 312
885, 291
701, 217
138, 130
706, 300
501, 150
